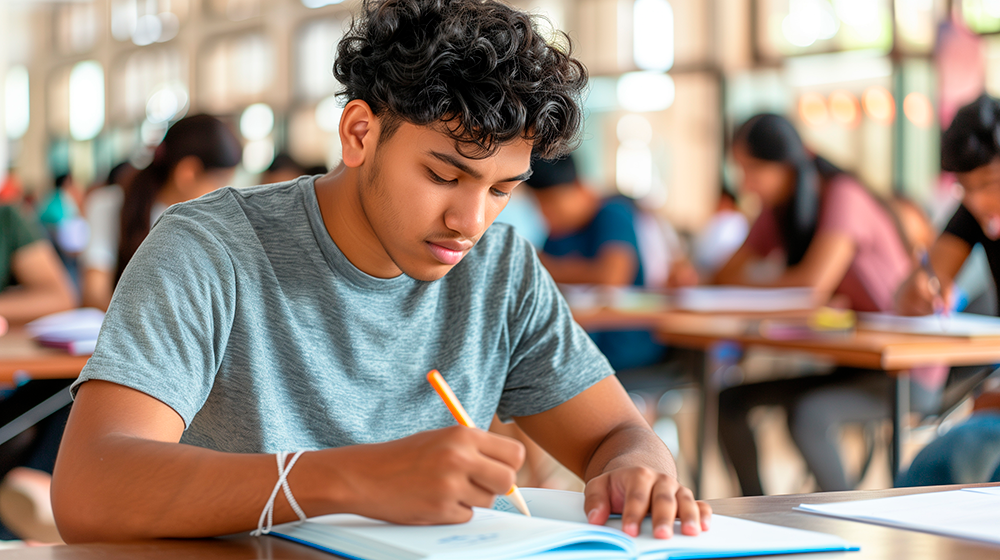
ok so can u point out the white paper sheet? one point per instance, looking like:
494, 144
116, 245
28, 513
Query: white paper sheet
953, 324
969, 514
742, 299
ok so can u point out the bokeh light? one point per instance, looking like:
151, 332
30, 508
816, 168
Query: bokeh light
918, 109
879, 105
844, 107
813, 110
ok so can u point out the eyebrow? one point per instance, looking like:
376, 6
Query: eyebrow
464, 167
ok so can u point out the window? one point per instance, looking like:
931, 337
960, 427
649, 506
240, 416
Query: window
235, 71
791, 27
315, 51
75, 27
140, 75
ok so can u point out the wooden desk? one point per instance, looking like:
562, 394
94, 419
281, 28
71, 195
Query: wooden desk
18, 353
891, 352
877, 542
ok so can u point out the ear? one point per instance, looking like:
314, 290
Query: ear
358, 133
186, 173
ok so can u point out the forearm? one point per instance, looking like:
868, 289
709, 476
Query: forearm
632, 445
20, 305
129, 488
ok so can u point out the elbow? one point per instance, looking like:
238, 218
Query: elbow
72, 514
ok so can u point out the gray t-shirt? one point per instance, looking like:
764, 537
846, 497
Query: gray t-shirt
241, 314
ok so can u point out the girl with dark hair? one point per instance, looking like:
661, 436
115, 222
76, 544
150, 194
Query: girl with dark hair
841, 240
198, 155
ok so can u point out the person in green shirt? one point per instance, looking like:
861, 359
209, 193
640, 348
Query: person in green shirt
33, 282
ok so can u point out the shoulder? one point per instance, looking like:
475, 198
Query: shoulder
617, 207
227, 208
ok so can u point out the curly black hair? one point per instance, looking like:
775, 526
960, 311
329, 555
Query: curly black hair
479, 66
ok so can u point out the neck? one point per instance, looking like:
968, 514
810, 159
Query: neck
339, 196
170, 194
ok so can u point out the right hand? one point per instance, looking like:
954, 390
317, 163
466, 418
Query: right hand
429, 478
916, 296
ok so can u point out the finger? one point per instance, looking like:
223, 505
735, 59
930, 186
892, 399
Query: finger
664, 502
597, 500
688, 513
492, 476
477, 496
638, 490
501, 448
706, 515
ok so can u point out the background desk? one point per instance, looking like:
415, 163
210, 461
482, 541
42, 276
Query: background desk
18, 353
891, 352
877, 543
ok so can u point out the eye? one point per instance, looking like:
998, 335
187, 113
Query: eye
499, 193
438, 179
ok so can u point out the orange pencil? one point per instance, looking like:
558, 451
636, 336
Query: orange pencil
458, 411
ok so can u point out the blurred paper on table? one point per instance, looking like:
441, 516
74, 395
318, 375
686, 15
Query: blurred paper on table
967, 325
720, 299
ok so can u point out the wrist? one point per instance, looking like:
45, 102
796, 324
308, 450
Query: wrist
322, 483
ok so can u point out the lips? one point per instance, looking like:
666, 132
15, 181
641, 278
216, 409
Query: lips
448, 252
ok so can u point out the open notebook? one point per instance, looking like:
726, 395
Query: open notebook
557, 530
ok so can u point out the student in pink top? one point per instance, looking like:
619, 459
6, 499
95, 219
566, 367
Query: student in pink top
838, 238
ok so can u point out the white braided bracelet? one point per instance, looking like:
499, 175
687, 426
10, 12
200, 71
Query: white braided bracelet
268, 512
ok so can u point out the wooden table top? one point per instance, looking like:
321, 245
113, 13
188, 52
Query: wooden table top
868, 349
877, 542
19, 353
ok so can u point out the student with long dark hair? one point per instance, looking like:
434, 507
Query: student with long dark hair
841, 240
197, 155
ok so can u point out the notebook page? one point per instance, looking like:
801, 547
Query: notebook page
742, 299
728, 536
957, 513
490, 535
732, 536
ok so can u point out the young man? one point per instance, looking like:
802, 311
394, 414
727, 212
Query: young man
305, 315
971, 149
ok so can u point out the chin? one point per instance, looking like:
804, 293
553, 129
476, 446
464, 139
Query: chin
427, 272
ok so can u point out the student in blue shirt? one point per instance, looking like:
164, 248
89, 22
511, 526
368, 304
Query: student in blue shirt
302, 317
593, 241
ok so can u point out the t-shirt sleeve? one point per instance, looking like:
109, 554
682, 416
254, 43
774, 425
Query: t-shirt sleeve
964, 226
615, 223
169, 320
848, 210
22, 231
763, 235
104, 219
552, 358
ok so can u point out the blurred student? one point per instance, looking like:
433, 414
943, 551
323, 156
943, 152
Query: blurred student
103, 211
970, 148
33, 283
593, 241
198, 155
283, 168
840, 240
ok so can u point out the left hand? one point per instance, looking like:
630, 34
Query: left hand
636, 491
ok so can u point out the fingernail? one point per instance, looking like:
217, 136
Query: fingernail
692, 528
631, 529
706, 522
662, 532
592, 516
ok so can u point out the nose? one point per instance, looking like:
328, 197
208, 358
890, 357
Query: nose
466, 214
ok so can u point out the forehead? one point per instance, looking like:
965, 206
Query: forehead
424, 141
986, 174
